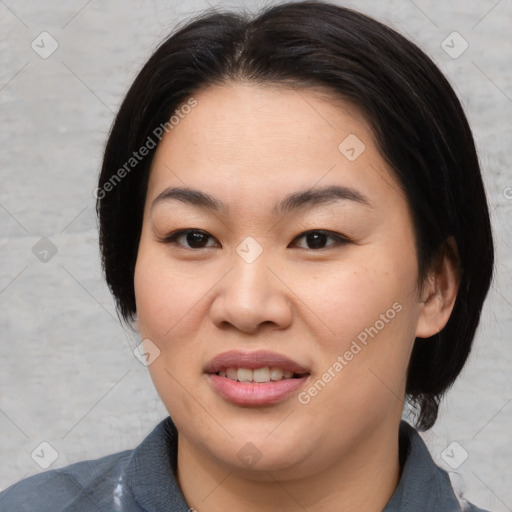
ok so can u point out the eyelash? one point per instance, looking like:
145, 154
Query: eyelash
339, 239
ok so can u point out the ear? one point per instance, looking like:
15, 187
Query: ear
439, 292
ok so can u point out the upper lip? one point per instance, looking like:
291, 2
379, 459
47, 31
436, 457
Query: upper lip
252, 360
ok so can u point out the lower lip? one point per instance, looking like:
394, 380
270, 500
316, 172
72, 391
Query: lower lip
255, 393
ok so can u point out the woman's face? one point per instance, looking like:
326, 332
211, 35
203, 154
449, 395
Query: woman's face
248, 290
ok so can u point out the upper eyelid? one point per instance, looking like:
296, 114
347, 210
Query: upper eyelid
180, 232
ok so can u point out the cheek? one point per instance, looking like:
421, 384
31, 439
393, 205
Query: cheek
359, 292
170, 312
165, 293
165, 299
375, 326
370, 308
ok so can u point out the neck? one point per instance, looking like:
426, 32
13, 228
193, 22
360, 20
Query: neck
362, 479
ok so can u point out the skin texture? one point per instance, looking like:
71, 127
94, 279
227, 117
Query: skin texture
249, 146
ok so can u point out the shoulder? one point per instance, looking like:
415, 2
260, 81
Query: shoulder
423, 486
469, 507
86, 486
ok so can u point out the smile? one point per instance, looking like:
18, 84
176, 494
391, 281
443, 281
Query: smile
264, 374
255, 378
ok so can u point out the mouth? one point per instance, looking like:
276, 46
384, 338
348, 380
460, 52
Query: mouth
255, 378
264, 374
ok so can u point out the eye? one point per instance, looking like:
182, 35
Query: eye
196, 238
317, 238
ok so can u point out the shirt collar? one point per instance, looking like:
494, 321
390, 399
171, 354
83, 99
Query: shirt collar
423, 486
150, 476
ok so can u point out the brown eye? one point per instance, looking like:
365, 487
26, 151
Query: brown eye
318, 238
197, 239
194, 238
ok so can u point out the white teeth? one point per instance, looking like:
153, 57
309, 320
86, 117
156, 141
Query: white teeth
264, 374
261, 375
231, 373
276, 374
244, 374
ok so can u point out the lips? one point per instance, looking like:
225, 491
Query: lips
253, 361
224, 370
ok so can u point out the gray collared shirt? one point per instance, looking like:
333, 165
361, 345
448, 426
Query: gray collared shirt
143, 480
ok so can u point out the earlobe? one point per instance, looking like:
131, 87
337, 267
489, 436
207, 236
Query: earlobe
440, 291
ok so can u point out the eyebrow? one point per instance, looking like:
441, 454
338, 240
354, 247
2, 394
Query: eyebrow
307, 198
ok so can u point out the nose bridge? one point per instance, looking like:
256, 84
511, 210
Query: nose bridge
250, 294
250, 275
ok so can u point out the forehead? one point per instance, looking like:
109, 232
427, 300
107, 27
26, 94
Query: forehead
255, 141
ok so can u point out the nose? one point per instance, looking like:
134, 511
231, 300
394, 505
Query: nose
252, 295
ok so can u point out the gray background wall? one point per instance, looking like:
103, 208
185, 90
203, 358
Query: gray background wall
67, 373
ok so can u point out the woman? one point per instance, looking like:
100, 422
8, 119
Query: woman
292, 211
